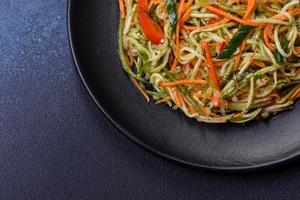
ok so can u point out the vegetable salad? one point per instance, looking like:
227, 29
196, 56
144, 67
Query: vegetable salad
216, 60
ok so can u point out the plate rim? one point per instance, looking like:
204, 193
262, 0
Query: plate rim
124, 131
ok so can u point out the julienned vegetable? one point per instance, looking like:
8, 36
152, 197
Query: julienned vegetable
171, 6
279, 58
235, 42
151, 30
217, 61
211, 67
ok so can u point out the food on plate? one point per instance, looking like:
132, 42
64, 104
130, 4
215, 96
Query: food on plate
216, 60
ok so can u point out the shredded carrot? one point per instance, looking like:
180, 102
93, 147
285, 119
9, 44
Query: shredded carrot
190, 106
180, 13
186, 11
230, 16
187, 5
178, 99
211, 67
295, 95
126, 4
137, 85
174, 65
250, 9
122, 9
266, 34
259, 63
183, 82
186, 15
270, 32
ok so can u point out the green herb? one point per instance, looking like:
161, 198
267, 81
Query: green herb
172, 13
235, 42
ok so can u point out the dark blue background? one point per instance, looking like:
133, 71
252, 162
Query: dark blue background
56, 144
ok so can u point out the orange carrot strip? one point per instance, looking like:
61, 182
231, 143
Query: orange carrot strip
180, 12
187, 7
190, 106
183, 82
230, 16
122, 9
186, 15
178, 99
173, 68
270, 32
250, 9
180, 8
266, 34
295, 95
259, 63
211, 67
177, 50
126, 4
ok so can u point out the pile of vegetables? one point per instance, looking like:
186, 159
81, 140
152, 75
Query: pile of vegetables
216, 60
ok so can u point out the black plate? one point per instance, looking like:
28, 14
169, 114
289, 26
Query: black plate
93, 36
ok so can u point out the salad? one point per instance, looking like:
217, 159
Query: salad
216, 60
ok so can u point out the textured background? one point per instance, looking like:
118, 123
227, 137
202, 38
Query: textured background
56, 144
